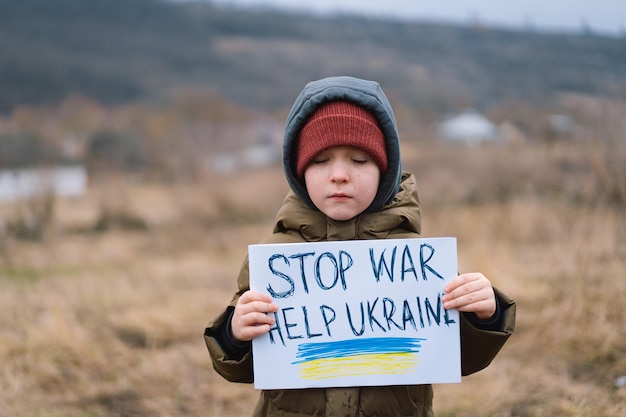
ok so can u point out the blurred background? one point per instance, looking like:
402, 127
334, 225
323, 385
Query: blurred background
140, 148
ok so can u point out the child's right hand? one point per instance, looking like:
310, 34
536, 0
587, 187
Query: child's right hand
249, 319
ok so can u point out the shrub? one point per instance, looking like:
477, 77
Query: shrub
115, 150
22, 149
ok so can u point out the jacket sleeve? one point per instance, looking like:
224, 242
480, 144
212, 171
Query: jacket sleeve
480, 346
231, 367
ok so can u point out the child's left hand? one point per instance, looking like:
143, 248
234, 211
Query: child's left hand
471, 292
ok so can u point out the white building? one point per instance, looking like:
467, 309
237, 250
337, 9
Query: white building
469, 127
17, 184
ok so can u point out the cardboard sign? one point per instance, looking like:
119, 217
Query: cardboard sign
356, 313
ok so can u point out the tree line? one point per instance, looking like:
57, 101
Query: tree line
121, 51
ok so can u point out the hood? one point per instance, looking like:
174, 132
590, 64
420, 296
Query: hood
367, 94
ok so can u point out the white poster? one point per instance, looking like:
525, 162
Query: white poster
356, 313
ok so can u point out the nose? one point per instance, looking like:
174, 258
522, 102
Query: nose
339, 172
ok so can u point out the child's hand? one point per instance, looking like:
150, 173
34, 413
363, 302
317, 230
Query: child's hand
249, 319
471, 292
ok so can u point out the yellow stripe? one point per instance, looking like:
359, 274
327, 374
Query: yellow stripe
373, 364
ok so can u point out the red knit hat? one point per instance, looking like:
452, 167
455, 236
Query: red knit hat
340, 123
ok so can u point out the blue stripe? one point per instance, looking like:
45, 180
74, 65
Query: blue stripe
345, 348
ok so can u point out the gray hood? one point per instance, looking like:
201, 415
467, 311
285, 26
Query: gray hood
367, 94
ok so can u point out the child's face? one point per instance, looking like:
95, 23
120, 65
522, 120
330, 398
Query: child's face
342, 181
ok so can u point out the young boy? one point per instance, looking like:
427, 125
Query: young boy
341, 158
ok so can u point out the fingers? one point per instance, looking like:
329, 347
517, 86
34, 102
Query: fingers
250, 318
253, 301
471, 277
471, 292
245, 331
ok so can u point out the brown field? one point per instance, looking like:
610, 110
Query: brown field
104, 315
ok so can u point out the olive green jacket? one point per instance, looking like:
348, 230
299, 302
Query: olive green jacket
296, 222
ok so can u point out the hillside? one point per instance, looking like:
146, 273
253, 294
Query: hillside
119, 51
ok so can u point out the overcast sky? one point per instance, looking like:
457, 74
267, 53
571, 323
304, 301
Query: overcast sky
608, 16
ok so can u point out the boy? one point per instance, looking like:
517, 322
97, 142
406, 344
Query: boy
341, 158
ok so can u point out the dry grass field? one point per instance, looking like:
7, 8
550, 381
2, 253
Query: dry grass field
104, 315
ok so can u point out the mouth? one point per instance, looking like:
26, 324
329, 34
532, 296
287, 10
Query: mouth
340, 196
